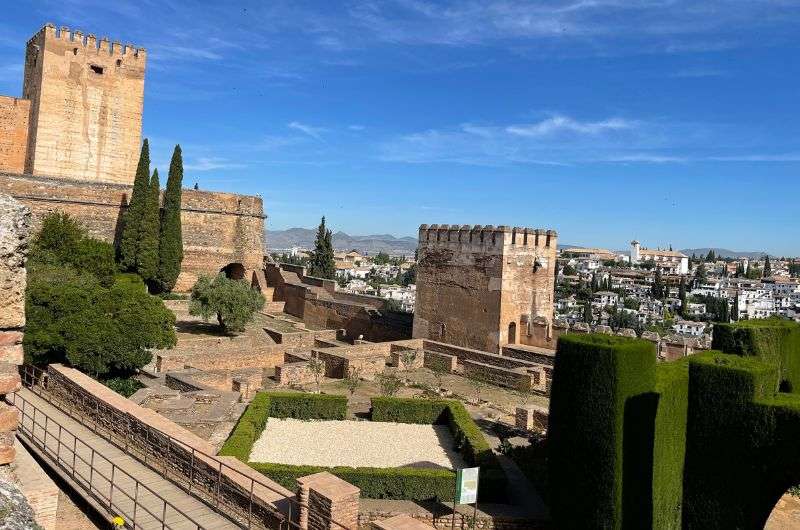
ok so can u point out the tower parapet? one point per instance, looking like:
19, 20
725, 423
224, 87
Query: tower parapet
88, 43
483, 236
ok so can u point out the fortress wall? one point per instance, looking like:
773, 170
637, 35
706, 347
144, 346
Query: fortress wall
218, 228
13, 133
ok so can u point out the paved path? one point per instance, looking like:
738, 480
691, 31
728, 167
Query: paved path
88, 461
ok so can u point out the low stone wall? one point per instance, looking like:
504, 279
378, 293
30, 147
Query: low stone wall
468, 354
440, 361
213, 360
296, 373
300, 339
531, 417
398, 354
516, 379
531, 354
167, 448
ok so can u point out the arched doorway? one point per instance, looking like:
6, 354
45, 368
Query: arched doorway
512, 333
234, 271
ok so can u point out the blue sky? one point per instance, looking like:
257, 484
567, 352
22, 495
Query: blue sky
669, 121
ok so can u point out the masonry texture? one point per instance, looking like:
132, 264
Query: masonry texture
480, 286
72, 143
86, 106
14, 237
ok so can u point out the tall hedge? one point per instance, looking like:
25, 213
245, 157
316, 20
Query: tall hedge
304, 406
170, 245
741, 449
602, 392
775, 341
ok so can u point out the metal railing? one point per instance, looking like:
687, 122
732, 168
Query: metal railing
207, 478
70, 453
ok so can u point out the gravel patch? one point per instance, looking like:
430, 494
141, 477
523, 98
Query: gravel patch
355, 444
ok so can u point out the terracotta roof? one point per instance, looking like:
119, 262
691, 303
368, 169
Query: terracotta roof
667, 253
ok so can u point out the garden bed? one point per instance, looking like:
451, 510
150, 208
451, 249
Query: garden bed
377, 482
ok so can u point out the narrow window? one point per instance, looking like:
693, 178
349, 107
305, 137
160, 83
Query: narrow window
96, 69
74, 51
119, 62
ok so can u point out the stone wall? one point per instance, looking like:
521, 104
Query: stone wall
15, 229
319, 305
441, 517
86, 106
294, 373
476, 285
213, 360
237, 220
515, 379
13, 133
440, 361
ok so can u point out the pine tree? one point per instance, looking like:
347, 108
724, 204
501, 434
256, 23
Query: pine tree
147, 256
321, 264
170, 245
767, 267
132, 219
700, 276
711, 257
657, 290
587, 312
735, 312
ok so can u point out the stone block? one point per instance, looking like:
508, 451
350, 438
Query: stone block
11, 354
327, 502
9, 418
9, 381
9, 338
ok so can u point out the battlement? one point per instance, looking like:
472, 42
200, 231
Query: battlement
486, 236
88, 43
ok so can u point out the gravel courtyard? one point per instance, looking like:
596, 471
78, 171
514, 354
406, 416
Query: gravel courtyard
355, 444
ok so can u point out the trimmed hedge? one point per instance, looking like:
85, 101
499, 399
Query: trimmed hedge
405, 483
248, 429
601, 393
468, 437
303, 406
773, 340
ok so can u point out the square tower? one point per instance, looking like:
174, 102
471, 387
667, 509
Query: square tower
480, 287
86, 106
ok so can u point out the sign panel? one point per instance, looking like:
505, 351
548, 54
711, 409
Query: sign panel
467, 485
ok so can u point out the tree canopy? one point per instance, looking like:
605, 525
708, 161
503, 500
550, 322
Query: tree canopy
80, 313
232, 302
170, 244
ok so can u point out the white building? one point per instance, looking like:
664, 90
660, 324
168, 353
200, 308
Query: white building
666, 260
605, 298
689, 327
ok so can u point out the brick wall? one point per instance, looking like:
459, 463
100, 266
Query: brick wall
440, 361
294, 373
13, 133
15, 231
212, 360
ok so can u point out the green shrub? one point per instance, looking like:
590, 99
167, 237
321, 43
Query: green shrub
125, 386
303, 406
248, 429
409, 483
403, 410
232, 302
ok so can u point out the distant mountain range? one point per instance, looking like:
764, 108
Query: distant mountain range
723, 253
371, 244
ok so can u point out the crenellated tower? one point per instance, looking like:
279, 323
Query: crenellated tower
482, 286
86, 99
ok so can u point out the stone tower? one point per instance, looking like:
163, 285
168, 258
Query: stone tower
86, 101
481, 287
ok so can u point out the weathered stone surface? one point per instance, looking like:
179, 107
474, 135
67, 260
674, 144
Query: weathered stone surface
18, 513
86, 107
9, 338
327, 502
8, 418
15, 221
13, 133
9, 382
11, 354
400, 522
479, 287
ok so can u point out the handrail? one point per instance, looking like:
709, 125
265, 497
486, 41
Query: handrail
116, 471
35, 378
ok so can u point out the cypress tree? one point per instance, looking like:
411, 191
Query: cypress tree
147, 257
767, 267
682, 296
587, 312
170, 245
321, 264
132, 219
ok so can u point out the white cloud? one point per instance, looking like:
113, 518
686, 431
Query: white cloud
313, 132
211, 163
557, 124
